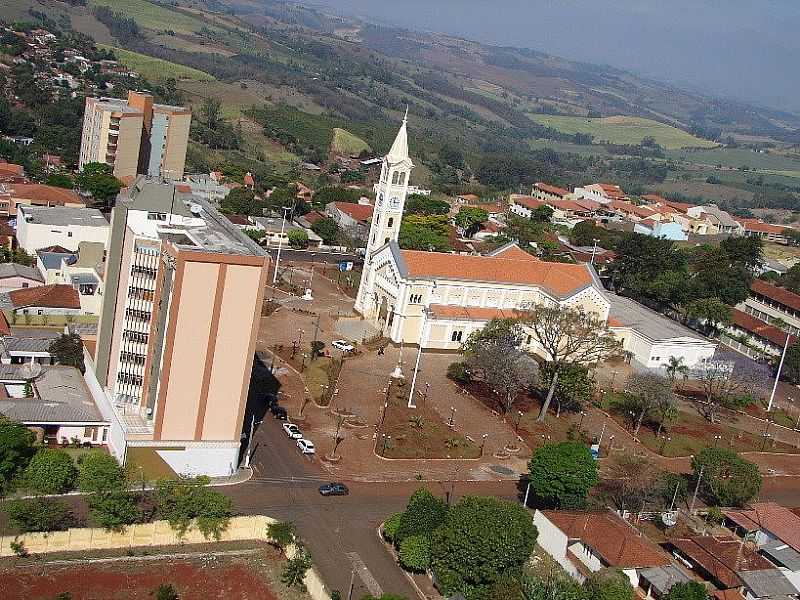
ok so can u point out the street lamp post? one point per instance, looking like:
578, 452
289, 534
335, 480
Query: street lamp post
717, 438
594, 250
766, 435
280, 245
778, 374
517, 421
613, 379
452, 414
483, 442
667, 439
580, 423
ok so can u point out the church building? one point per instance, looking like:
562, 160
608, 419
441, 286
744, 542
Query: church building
437, 299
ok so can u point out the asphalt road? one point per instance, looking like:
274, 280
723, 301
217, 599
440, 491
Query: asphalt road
340, 532
316, 256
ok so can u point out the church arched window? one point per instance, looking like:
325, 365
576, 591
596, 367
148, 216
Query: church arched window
378, 220
390, 222
395, 177
402, 179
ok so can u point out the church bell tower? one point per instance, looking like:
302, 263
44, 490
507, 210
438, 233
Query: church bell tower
388, 212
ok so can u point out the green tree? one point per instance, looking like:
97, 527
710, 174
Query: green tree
557, 586
39, 514
241, 201
327, 229
644, 393
716, 274
542, 214
728, 479
676, 367
423, 515
16, 450
689, 590
391, 526
166, 591
211, 113
415, 553
650, 267
113, 510
482, 539
61, 180
68, 350
609, 584
186, 500
298, 238
469, 219
746, 251
417, 204
507, 587
99, 471
281, 534
98, 179
430, 233
791, 279
562, 474
50, 472
711, 310
294, 571
791, 365
574, 388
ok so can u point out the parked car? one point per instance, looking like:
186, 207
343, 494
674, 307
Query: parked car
306, 446
292, 430
343, 345
334, 489
270, 399
279, 413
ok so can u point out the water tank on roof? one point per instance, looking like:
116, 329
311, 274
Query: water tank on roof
196, 209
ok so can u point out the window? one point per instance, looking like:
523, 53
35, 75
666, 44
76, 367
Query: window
135, 336
390, 222
415, 299
156, 216
105, 434
25, 284
386, 240
395, 175
456, 337
69, 234
402, 179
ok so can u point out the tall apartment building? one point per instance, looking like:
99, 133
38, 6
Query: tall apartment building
178, 328
136, 136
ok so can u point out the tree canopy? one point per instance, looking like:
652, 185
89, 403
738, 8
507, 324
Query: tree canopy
562, 474
469, 219
51, 471
430, 233
16, 450
728, 479
68, 350
98, 179
689, 590
482, 539
609, 584
416, 204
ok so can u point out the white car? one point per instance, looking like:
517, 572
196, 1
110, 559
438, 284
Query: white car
306, 446
343, 345
291, 430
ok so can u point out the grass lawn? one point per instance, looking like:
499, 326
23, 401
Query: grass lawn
346, 143
146, 462
152, 16
420, 432
156, 68
624, 130
320, 376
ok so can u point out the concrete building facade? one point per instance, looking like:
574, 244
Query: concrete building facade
135, 136
40, 227
176, 340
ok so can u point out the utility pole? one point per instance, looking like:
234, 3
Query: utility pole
352, 583
778, 374
696, 488
316, 332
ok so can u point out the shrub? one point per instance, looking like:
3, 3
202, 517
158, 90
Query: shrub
16, 450
609, 584
728, 479
715, 515
51, 472
690, 590
281, 534
100, 472
113, 510
18, 548
415, 553
182, 501
39, 514
391, 526
166, 591
459, 373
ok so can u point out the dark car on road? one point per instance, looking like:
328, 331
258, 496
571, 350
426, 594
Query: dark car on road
279, 412
334, 489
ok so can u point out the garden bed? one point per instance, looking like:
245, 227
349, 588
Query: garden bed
418, 433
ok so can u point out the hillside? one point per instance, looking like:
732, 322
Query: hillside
500, 117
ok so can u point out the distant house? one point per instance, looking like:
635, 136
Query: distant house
765, 231
753, 337
38, 227
667, 231
719, 220
545, 192
34, 194
16, 277
524, 206
770, 303
55, 299
602, 193
585, 542
273, 236
351, 217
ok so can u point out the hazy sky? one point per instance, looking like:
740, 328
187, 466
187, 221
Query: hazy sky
748, 49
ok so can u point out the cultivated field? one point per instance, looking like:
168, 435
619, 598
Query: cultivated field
738, 157
624, 130
345, 142
152, 16
156, 68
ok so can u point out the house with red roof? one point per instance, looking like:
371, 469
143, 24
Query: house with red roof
753, 337
53, 299
351, 217
546, 192
765, 231
773, 305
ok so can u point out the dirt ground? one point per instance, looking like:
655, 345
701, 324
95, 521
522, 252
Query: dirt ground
244, 574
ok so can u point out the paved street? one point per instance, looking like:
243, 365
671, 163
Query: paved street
288, 254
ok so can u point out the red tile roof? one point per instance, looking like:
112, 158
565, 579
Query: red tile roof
526, 201
629, 208
566, 205
46, 296
551, 189
778, 294
5, 328
617, 543
721, 558
772, 517
238, 219
562, 279
44, 193
513, 252
759, 328
761, 227
314, 216
359, 212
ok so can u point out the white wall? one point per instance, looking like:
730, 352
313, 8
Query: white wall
33, 236
214, 460
553, 541
646, 351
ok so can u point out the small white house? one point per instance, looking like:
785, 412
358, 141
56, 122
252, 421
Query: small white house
43, 226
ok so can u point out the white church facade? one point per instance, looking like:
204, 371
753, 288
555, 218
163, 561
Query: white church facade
437, 300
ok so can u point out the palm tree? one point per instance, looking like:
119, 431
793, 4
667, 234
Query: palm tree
676, 367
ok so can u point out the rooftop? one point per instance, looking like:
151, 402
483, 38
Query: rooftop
202, 228
63, 397
63, 216
617, 542
16, 270
782, 554
758, 328
629, 313
36, 192
769, 516
551, 189
359, 212
55, 295
526, 201
52, 260
724, 559
663, 578
769, 583
778, 294
560, 279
